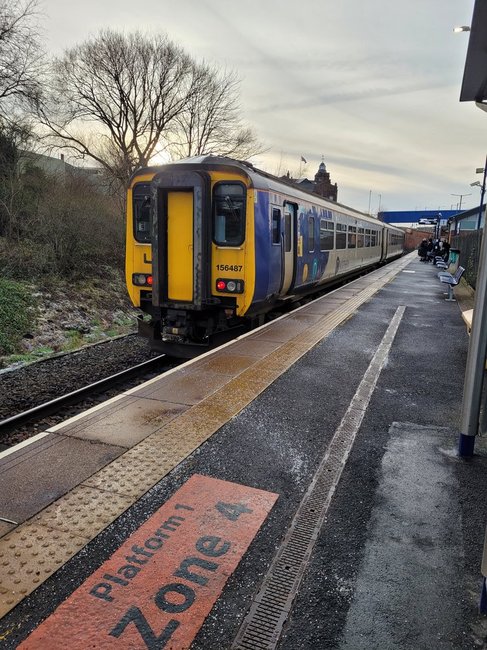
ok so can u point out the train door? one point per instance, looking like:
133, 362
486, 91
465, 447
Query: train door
181, 239
289, 245
384, 244
180, 246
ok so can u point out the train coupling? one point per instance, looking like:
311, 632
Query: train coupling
174, 334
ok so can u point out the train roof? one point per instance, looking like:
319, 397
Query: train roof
260, 180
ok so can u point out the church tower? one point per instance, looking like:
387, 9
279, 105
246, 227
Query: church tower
322, 185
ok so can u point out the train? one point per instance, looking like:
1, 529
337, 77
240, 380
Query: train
213, 245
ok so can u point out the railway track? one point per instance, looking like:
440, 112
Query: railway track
25, 424
75, 396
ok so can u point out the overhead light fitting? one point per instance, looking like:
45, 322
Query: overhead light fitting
461, 28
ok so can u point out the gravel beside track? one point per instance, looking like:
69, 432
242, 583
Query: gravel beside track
37, 383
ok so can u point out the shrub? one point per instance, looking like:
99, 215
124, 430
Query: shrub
16, 314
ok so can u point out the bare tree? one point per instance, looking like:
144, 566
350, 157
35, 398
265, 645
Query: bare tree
120, 99
115, 97
21, 63
211, 122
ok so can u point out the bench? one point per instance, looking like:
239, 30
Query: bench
451, 280
440, 262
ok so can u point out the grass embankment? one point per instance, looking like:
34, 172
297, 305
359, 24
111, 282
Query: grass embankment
17, 315
60, 316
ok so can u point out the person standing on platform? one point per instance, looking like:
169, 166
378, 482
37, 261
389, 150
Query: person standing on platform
446, 250
422, 250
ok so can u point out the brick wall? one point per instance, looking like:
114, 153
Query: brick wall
413, 238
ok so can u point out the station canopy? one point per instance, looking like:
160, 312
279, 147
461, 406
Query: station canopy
474, 85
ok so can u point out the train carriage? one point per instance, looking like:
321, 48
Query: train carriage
214, 244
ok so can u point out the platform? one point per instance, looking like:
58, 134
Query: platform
300, 484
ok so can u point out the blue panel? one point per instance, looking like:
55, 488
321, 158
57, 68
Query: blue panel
413, 216
315, 261
262, 246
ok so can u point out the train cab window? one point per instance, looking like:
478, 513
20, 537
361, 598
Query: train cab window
311, 234
341, 236
352, 236
367, 238
287, 232
276, 226
360, 238
228, 214
141, 212
327, 235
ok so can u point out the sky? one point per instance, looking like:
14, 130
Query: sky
370, 85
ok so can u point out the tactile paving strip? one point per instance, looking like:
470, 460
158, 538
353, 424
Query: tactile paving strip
84, 511
263, 625
28, 556
115, 487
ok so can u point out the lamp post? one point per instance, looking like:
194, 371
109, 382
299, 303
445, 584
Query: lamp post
438, 225
482, 191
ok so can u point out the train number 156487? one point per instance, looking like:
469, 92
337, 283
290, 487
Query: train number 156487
229, 267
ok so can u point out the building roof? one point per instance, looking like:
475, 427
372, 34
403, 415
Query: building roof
474, 85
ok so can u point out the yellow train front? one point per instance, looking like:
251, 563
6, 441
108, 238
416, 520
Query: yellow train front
213, 245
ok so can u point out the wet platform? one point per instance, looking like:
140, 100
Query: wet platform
297, 488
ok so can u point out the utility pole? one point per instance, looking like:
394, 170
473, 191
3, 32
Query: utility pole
461, 197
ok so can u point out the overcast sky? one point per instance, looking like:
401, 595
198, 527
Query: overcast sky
371, 85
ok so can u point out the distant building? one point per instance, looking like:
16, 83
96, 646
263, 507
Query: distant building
48, 164
472, 219
58, 166
322, 185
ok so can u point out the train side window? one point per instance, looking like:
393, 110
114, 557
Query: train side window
141, 201
360, 238
287, 232
373, 238
341, 236
311, 234
276, 226
327, 235
352, 236
228, 214
367, 238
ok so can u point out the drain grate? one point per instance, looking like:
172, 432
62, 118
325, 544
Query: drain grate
263, 624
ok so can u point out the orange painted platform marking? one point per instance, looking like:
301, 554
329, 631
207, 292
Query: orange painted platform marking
156, 590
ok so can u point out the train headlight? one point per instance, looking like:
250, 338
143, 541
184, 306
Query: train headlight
229, 285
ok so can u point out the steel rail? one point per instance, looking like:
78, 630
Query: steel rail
50, 407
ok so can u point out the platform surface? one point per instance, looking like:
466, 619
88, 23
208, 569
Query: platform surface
349, 388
